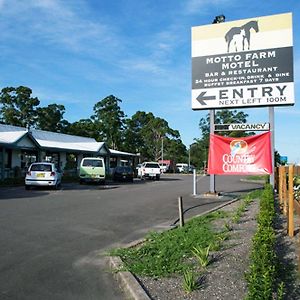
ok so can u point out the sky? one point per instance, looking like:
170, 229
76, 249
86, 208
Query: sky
77, 52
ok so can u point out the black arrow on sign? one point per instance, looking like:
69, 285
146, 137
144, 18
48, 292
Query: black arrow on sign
201, 98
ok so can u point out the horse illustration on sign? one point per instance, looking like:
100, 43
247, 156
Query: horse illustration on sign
239, 35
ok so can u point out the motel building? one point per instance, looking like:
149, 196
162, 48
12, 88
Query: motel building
19, 147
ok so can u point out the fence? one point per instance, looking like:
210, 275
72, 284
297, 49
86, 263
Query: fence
288, 188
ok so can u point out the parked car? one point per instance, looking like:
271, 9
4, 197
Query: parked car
182, 168
164, 167
43, 174
123, 173
92, 169
191, 168
149, 170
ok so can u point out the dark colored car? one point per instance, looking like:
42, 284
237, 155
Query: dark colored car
122, 173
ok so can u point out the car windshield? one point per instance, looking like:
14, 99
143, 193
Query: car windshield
92, 163
41, 168
152, 165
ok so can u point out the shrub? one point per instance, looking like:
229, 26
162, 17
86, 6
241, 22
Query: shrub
263, 272
190, 282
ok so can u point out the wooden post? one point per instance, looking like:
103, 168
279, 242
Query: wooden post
280, 186
291, 202
284, 192
180, 209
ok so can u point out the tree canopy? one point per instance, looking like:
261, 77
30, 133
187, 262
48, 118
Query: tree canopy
17, 107
143, 133
50, 118
109, 121
150, 135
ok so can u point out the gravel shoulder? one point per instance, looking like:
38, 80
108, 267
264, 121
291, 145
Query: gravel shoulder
225, 276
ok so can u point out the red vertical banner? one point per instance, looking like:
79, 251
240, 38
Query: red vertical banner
240, 156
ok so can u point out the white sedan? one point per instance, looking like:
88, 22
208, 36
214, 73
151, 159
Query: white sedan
43, 174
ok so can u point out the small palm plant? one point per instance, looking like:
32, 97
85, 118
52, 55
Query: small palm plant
190, 283
202, 254
227, 227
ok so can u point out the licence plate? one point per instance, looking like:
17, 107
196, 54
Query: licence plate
152, 174
40, 175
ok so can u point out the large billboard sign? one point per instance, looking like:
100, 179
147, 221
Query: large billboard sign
240, 156
245, 63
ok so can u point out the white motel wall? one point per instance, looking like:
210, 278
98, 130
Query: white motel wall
19, 147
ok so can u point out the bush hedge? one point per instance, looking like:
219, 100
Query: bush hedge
262, 277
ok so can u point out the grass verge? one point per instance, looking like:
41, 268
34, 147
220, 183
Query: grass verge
170, 252
173, 252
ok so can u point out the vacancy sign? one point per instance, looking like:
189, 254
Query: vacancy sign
243, 127
245, 63
240, 156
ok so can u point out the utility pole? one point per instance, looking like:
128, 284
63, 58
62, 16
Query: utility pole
162, 150
272, 130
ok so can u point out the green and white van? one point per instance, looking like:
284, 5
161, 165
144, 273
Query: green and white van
92, 169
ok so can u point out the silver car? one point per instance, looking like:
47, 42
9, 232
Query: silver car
43, 174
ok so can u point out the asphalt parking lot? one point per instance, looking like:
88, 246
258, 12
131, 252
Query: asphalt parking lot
53, 241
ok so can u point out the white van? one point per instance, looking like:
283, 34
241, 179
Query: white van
92, 169
182, 167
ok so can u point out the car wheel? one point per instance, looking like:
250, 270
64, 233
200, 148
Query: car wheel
157, 177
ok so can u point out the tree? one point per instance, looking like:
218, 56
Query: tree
175, 151
109, 121
145, 134
133, 140
83, 127
277, 159
51, 118
199, 153
18, 107
224, 116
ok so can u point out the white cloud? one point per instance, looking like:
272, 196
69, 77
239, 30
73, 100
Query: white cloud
141, 65
61, 24
49, 96
200, 6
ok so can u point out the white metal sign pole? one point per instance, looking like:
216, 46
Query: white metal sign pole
272, 130
212, 182
212, 187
